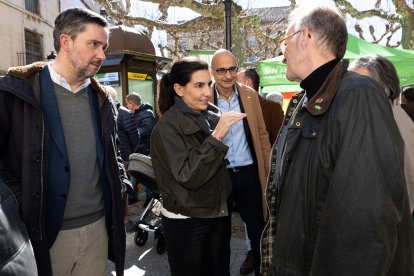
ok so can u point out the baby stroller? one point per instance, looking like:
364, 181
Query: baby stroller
140, 167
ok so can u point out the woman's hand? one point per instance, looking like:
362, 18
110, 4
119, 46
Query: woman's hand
226, 121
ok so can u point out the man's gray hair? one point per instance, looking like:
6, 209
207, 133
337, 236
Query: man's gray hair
275, 97
134, 98
327, 23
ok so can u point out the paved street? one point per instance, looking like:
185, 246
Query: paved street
146, 261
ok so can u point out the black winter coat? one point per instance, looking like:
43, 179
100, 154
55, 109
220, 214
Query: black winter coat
24, 156
16, 256
139, 128
340, 205
124, 140
190, 169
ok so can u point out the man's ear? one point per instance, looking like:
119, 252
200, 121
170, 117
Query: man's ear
305, 37
248, 82
65, 41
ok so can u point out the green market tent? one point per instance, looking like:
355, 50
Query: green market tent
272, 72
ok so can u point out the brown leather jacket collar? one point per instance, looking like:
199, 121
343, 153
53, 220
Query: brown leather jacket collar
28, 71
321, 101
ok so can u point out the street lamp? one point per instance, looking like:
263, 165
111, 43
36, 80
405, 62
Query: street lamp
227, 16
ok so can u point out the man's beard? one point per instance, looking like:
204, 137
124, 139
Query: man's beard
82, 71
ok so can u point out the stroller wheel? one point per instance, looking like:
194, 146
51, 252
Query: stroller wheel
161, 245
140, 237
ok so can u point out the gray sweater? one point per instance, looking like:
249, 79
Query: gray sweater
85, 202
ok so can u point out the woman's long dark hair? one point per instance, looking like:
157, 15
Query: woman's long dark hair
180, 73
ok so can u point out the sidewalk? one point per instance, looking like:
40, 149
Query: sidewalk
146, 261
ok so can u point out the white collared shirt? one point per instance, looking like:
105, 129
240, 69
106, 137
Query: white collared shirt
59, 80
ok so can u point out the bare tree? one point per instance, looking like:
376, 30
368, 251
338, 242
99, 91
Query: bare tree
205, 31
402, 18
252, 35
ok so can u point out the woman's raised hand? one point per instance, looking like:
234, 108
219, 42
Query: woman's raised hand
225, 122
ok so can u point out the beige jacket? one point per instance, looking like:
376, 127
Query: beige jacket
260, 137
406, 127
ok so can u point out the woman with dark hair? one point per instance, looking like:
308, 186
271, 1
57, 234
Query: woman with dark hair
188, 160
383, 71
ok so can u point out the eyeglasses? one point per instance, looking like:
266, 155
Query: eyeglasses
283, 45
223, 71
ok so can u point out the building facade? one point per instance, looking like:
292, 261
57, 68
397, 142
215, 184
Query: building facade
26, 27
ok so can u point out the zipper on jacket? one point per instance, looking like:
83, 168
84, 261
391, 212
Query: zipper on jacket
41, 177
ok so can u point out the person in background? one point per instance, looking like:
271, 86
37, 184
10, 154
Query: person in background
188, 160
336, 192
276, 97
248, 155
408, 101
124, 146
383, 71
58, 152
272, 112
273, 119
139, 127
124, 114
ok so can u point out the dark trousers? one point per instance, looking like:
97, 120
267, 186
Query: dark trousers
194, 245
247, 195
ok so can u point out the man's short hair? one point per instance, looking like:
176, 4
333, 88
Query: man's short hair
254, 77
327, 23
73, 21
134, 98
408, 92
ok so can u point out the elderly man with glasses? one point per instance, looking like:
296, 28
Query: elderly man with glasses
248, 155
336, 190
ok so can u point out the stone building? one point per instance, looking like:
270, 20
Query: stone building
26, 30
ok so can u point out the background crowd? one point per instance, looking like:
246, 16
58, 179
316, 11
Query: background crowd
325, 188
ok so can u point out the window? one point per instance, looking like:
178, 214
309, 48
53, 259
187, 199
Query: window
32, 6
33, 47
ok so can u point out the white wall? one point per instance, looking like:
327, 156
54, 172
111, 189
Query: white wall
15, 19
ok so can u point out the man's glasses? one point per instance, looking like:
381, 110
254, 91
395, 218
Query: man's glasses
223, 71
283, 45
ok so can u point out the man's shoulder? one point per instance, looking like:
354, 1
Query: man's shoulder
19, 81
352, 80
27, 71
123, 111
358, 92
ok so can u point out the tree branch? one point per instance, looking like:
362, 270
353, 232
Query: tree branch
346, 7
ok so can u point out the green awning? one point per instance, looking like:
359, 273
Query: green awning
272, 72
